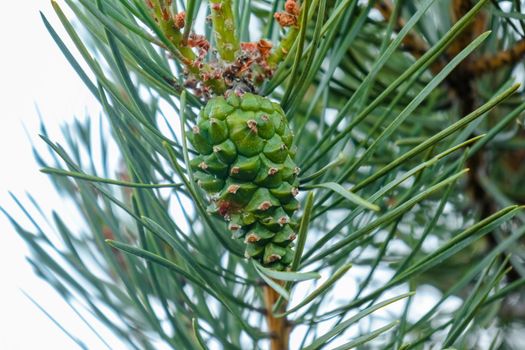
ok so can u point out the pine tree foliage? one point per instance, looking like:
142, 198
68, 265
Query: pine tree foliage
406, 123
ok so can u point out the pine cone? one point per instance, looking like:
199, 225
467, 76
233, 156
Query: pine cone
246, 165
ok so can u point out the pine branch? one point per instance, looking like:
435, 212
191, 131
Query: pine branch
380, 141
495, 61
224, 28
278, 327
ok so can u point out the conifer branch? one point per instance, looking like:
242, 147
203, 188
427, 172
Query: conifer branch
163, 15
290, 18
495, 61
235, 190
224, 29
279, 327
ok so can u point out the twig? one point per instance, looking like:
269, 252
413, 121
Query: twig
224, 28
290, 18
165, 19
495, 61
279, 328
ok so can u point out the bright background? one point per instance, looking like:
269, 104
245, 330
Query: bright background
33, 75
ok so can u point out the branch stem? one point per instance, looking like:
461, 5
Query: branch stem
224, 28
279, 328
164, 18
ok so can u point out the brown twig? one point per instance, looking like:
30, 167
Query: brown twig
279, 328
495, 61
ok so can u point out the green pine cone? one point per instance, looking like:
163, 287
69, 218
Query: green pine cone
246, 165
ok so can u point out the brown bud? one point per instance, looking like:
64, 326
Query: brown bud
199, 41
165, 14
264, 47
180, 20
248, 46
292, 7
285, 19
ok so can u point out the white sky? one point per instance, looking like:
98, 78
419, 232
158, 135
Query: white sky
32, 73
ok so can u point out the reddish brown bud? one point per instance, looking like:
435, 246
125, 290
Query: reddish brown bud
285, 19
165, 14
180, 20
248, 46
292, 7
264, 47
198, 41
